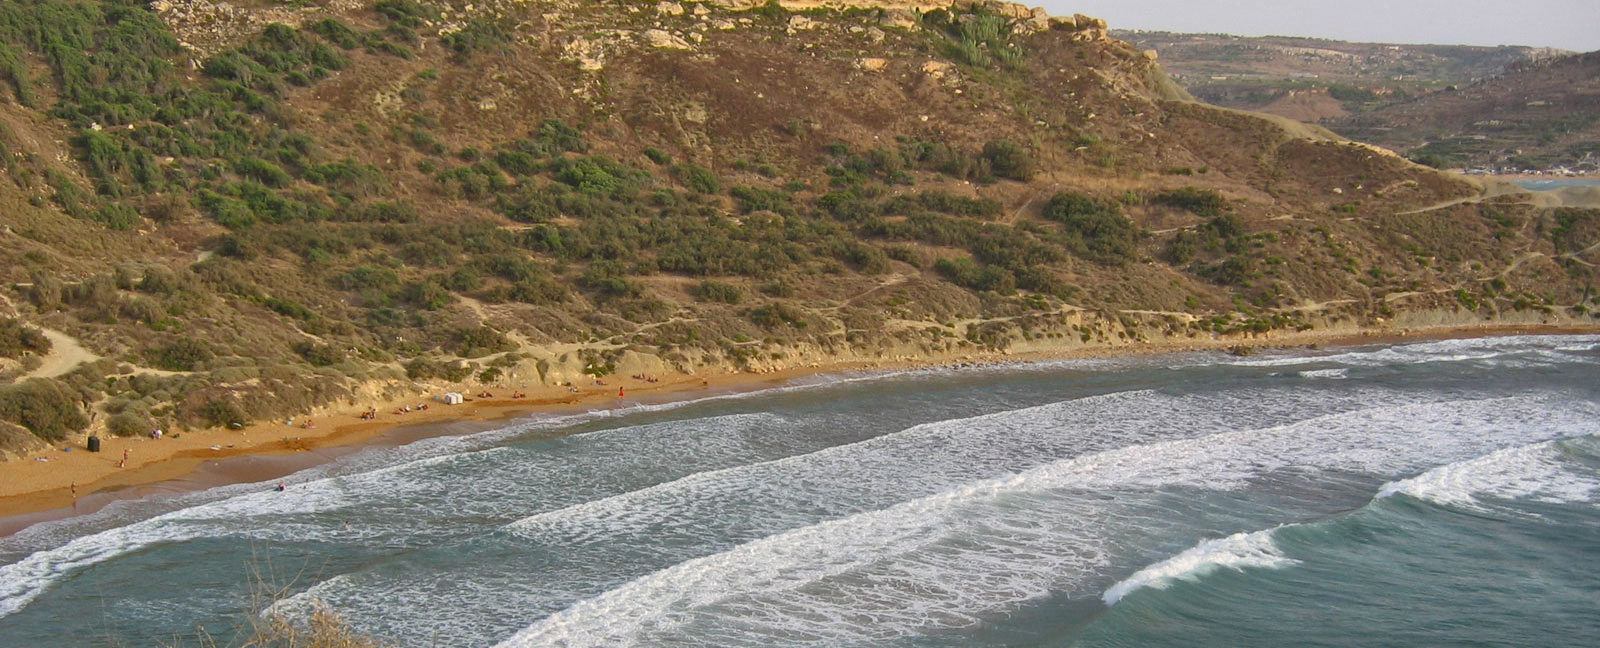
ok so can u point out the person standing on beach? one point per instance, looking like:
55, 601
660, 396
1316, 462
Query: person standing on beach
124, 462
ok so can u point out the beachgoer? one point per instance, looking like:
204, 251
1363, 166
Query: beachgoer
619, 393
124, 462
279, 488
74, 489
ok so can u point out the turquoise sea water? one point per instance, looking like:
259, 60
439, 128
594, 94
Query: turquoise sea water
1542, 184
1440, 493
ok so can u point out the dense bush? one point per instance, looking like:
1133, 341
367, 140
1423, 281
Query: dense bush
17, 338
429, 369
1098, 227
183, 354
480, 341
778, 314
969, 274
1202, 202
220, 412
716, 291
1009, 160
697, 178
129, 423
46, 407
318, 354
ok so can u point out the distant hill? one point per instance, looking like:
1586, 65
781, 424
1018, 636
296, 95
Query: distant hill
1503, 108
1312, 79
1537, 115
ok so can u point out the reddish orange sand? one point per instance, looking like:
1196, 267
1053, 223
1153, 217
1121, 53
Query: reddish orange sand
45, 481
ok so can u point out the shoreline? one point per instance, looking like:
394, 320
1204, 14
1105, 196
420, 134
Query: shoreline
203, 459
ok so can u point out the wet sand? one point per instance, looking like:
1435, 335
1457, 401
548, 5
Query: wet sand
33, 491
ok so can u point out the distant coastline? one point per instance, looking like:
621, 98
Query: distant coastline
266, 451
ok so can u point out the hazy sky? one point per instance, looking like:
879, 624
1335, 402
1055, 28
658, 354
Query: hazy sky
1568, 24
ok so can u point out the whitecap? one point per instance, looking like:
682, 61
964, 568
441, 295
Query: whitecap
1534, 472
948, 560
1254, 549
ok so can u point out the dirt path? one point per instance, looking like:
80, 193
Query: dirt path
65, 355
1514, 265
1494, 190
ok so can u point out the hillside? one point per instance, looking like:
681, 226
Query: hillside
1535, 116
249, 211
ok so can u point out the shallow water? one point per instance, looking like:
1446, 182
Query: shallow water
1440, 493
1544, 184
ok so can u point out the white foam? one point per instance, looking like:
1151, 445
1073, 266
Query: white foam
1334, 374
1459, 350
1253, 549
929, 563
1533, 471
386, 498
601, 543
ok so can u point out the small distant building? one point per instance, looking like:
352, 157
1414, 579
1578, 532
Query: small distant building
452, 398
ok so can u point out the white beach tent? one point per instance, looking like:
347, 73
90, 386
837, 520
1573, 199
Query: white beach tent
452, 398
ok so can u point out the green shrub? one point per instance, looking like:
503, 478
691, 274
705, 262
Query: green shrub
697, 179
608, 279
407, 13
1202, 202
337, 33
221, 412
262, 171
1098, 227
555, 137
969, 274
778, 314
1225, 227
289, 308
716, 291
17, 338
480, 341
428, 369
318, 354
598, 176
46, 407
1009, 160
129, 423
183, 354
753, 199
657, 155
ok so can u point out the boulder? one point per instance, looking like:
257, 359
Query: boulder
669, 9
936, 69
898, 19
872, 64
801, 23
664, 39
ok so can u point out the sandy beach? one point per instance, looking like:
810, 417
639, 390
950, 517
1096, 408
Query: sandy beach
66, 481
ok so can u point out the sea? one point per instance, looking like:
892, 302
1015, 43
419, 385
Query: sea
1438, 493
1545, 184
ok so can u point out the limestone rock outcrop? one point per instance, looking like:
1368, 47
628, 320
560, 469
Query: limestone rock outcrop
664, 39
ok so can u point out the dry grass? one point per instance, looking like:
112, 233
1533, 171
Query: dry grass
263, 626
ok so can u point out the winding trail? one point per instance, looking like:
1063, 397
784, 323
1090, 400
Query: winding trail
66, 353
